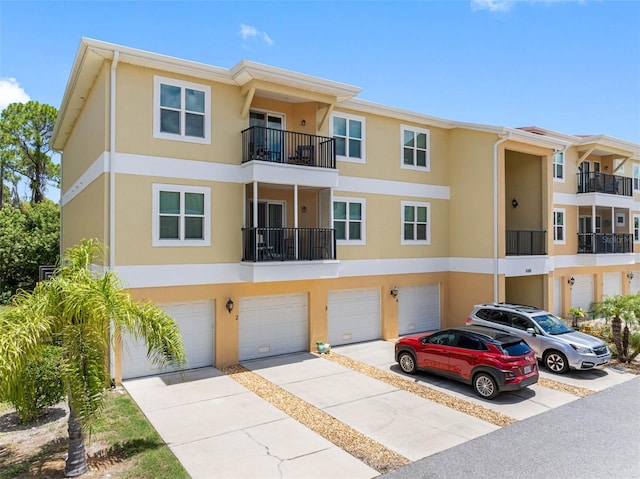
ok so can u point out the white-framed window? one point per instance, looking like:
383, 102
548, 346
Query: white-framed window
416, 224
636, 177
558, 166
349, 134
636, 228
414, 150
617, 164
181, 215
349, 220
620, 221
181, 110
559, 233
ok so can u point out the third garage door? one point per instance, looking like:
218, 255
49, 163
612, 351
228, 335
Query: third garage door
272, 325
353, 316
418, 309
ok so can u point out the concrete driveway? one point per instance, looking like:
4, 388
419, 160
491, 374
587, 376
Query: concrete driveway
218, 428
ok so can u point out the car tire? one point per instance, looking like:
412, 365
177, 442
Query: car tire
556, 362
485, 386
407, 362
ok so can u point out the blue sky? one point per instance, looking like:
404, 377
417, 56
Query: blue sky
568, 66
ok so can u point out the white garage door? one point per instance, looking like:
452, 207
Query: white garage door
272, 325
418, 309
195, 321
353, 316
557, 297
635, 282
582, 292
612, 284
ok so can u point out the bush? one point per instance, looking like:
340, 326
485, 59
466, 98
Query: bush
40, 385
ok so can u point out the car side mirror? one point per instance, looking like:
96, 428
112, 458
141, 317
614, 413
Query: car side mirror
531, 331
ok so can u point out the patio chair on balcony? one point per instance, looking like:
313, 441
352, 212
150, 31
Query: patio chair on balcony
303, 156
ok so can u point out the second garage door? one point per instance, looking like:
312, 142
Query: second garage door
195, 321
418, 309
582, 292
272, 325
612, 284
353, 316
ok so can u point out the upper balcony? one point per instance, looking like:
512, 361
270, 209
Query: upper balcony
526, 243
287, 147
597, 182
605, 243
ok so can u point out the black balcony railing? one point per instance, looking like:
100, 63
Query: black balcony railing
605, 243
523, 243
289, 147
288, 244
596, 182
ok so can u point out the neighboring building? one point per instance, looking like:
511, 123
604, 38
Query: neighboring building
267, 209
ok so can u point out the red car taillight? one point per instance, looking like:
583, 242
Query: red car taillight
468, 321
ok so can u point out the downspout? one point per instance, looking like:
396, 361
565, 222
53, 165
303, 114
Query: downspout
495, 214
112, 193
112, 173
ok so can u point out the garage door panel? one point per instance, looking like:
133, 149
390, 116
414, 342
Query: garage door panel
272, 325
582, 292
353, 316
195, 321
612, 284
418, 308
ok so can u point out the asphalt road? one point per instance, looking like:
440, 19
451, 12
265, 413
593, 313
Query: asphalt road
593, 437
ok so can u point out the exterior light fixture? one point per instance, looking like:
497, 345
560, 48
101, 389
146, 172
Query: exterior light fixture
630, 275
229, 305
571, 281
303, 122
394, 292
514, 203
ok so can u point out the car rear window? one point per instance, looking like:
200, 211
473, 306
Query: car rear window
516, 349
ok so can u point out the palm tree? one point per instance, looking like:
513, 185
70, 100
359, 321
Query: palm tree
81, 309
618, 308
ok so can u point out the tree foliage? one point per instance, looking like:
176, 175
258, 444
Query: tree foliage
79, 308
623, 311
25, 135
29, 238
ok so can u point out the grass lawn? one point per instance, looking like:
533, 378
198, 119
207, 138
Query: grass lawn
123, 444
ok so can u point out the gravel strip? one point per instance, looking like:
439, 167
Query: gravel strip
362, 447
475, 410
566, 388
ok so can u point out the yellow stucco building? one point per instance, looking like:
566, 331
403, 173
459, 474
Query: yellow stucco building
267, 209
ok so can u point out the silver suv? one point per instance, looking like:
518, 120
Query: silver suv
560, 347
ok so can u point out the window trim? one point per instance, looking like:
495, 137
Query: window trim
620, 219
157, 81
636, 178
414, 166
182, 189
558, 154
425, 204
563, 226
363, 225
362, 120
636, 228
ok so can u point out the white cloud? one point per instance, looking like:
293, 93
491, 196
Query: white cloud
247, 32
11, 92
506, 5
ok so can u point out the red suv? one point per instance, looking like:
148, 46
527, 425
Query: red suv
489, 359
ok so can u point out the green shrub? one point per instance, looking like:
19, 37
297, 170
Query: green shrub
40, 385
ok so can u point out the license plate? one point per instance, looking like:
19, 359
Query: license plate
604, 361
527, 369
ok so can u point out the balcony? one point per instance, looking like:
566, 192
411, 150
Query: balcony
288, 244
526, 243
604, 243
287, 147
596, 182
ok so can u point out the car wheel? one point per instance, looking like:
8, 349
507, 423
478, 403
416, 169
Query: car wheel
485, 386
556, 362
407, 362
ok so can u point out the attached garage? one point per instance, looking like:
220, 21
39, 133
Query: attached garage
418, 309
634, 284
272, 325
353, 316
195, 321
582, 292
611, 284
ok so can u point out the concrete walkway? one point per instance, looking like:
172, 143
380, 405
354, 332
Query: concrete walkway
218, 428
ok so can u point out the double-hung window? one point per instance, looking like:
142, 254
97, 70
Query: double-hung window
415, 148
348, 220
349, 134
636, 177
415, 223
182, 110
558, 226
181, 215
558, 165
636, 228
